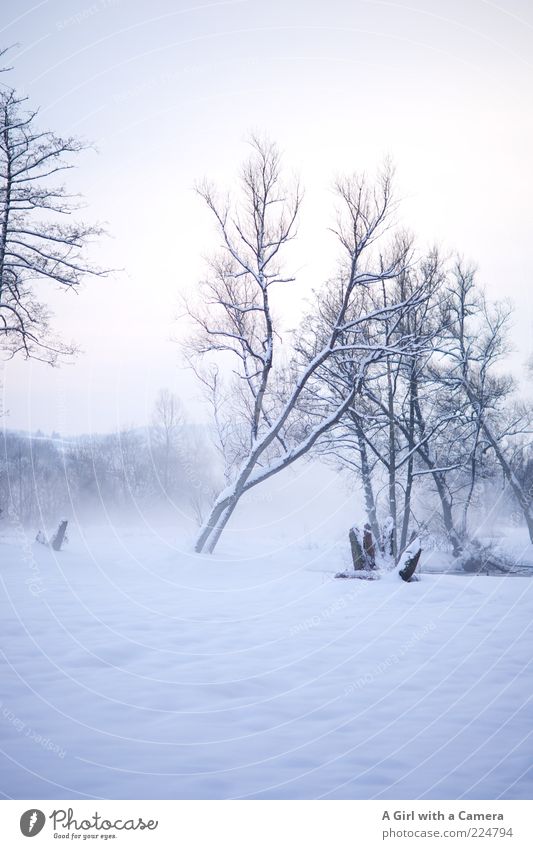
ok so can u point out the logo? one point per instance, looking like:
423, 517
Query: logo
32, 822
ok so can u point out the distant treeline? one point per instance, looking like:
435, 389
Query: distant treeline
169, 463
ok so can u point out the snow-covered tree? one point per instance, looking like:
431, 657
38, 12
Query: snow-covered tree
475, 343
377, 437
38, 241
166, 430
439, 417
234, 318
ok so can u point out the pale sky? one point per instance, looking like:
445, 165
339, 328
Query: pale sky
167, 91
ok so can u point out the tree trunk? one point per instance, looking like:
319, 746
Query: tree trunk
413, 389
392, 458
447, 516
209, 525
387, 534
221, 524
225, 504
366, 477
438, 478
7, 185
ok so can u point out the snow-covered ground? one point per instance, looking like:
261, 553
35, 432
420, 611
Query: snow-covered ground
134, 669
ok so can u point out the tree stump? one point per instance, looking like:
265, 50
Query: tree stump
409, 560
369, 548
59, 536
358, 558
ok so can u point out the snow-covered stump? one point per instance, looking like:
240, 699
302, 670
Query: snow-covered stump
363, 553
356, 549
57, 539
409, 561
369, 549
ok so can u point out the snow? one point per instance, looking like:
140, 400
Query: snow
132, 668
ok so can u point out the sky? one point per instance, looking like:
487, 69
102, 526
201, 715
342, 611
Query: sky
167, 92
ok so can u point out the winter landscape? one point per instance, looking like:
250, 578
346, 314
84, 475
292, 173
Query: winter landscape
266, 484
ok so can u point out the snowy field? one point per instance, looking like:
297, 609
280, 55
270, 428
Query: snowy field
134, 669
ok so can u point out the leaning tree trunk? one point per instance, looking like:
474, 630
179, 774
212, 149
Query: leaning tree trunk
223, 520
215, 523
223, 508
225, 505
228, 500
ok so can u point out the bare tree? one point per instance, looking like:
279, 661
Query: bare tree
452, 412
237, 318
476, 343
37, 242
167, 424
228, 428
405, 427
235, 315
368, 440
